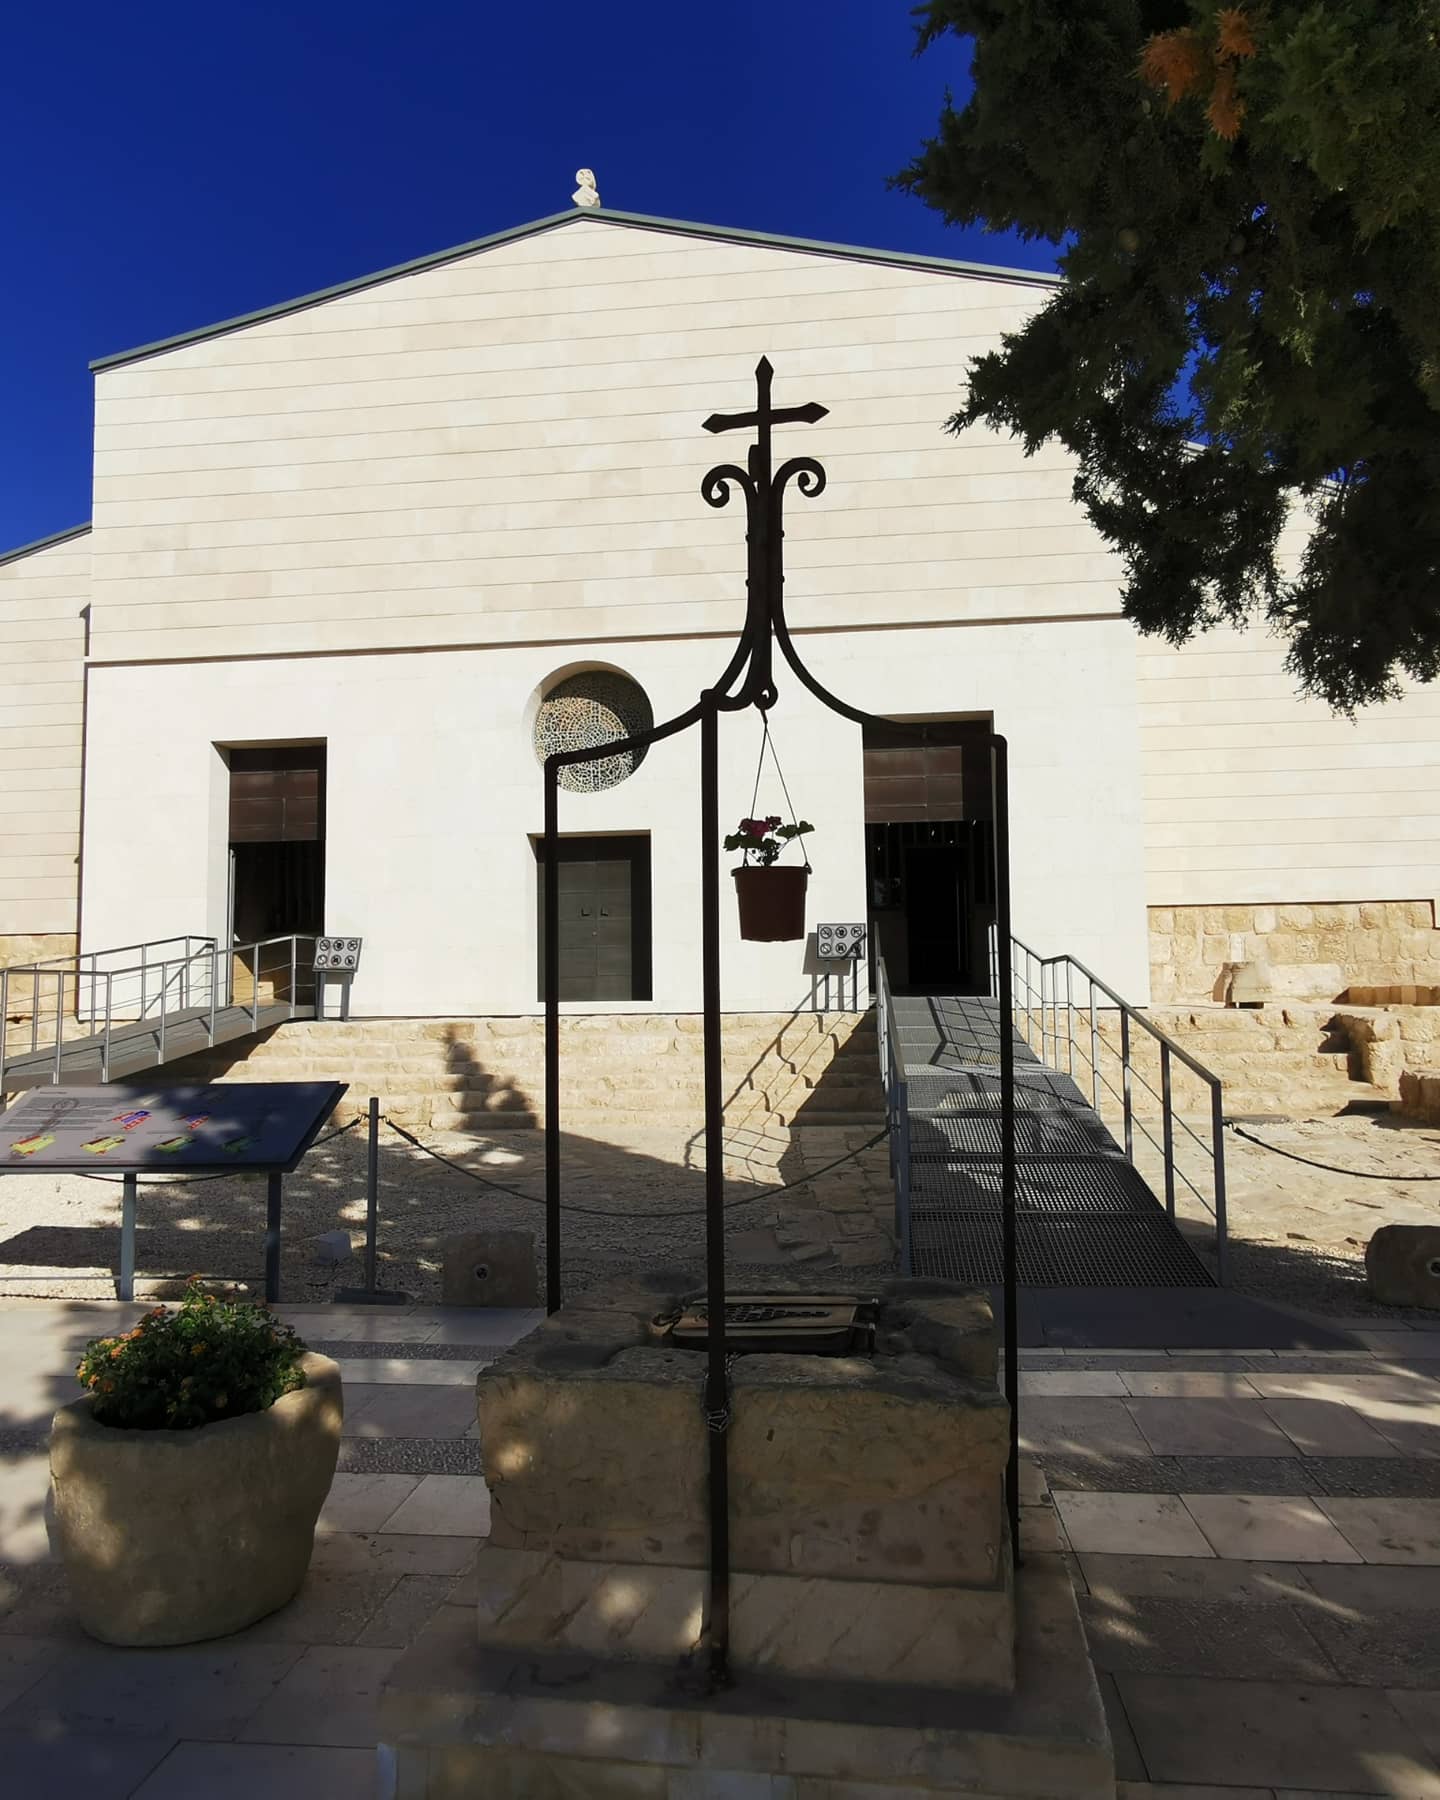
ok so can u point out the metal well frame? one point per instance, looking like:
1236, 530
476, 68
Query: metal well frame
748, 681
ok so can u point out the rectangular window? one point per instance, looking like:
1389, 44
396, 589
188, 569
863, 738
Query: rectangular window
605, 943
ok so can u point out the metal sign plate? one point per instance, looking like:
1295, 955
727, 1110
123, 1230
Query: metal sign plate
247, 1126
837, 943
337, 955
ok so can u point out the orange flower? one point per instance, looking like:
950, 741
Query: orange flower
199, 1349
1235, 36
1174, 61
116, 1351
1226, 108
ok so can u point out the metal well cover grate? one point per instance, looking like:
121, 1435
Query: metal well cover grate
949, 1090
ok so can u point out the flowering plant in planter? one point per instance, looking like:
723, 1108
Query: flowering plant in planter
188, 1479
211, 1359
762, 840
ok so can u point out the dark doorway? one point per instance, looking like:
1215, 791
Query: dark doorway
928, 842
277, 841
605, 932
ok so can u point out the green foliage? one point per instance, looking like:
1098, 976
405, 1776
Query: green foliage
1248, 200
762, 840
210, 1359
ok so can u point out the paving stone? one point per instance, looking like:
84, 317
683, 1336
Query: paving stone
332, 1607
407, 1609
1149, 1790
1269, 1528
278, 1771
1073, 1383
394, 1553
1080, 1428
1209, 1428
365, 1502
1129, 1764
1276, 1734
1388, 1531
1145, 1634
23, 1660
1189, 1384
1323, 1428
376, 1409
206, 1690
1198, 1578
351, 1350
443, 1505
329, 1697
1398, 1651
409, 1371
84, 1765
1421, 1712
1146, 1524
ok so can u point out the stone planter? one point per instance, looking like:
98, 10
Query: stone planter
173, 1536
772, 903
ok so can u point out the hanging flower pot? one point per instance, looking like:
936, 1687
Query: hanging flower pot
772, 903
772, 900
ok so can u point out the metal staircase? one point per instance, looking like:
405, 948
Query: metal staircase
1086, 1215
104, 1014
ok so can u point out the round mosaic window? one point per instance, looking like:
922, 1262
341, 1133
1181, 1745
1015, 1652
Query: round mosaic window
586, 710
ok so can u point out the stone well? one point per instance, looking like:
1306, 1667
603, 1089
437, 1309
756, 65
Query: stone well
873, 1607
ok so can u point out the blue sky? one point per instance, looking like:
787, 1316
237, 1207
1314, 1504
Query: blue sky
169, 166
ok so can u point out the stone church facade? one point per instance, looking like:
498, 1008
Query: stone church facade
355, 562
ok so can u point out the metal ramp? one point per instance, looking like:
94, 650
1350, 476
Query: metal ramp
106, 1014
1085, 1217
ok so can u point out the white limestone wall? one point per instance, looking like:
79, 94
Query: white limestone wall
42, 647
1254, 795
507, 449
434, 795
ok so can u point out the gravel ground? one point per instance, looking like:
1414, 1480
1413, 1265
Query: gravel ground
61, 1233
1298, 1234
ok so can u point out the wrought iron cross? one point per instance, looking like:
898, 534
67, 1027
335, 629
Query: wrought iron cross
764, 507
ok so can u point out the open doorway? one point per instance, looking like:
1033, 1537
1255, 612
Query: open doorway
928, 855
277, 853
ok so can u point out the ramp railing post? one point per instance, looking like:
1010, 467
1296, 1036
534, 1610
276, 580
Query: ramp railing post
1129, 1104
105, 1041
1094, 1054
1217, 1134
1169, 1128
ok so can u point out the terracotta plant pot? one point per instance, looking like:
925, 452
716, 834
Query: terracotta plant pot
173, 1536
772, 903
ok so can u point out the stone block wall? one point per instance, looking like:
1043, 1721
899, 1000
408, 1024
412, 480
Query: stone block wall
1314, 951
29, 947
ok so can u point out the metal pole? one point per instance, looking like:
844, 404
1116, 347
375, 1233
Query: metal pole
272, 1237
105, 1041
717, 1397
163, 979
59, 1018
1169, 1129
125, 1286
4, 1021
294, 971
902, 1178
1217, 1134
255, 986
1125, 1083
550, 874
214, 990
1094, 1053
1069, 1025
1000, 776
372, 1192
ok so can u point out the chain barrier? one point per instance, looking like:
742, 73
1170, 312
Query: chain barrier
1330, 1168
596, 1212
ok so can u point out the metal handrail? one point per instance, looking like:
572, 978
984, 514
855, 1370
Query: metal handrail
172, 980
1049, 1009
897, 1108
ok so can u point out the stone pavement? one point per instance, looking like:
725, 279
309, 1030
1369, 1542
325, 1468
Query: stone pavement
284, 1708
1255, 1540
1255, 1537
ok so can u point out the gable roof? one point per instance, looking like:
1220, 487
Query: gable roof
604, 215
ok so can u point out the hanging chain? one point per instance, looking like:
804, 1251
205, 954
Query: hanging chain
768, 743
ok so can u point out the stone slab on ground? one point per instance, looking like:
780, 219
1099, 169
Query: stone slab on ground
452, 1714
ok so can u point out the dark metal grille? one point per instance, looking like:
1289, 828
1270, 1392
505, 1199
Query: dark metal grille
1086, 1187
1120, 1251
944, 1136
950, 1090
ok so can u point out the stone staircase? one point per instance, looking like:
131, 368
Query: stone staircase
618, 1071
1293, 1060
